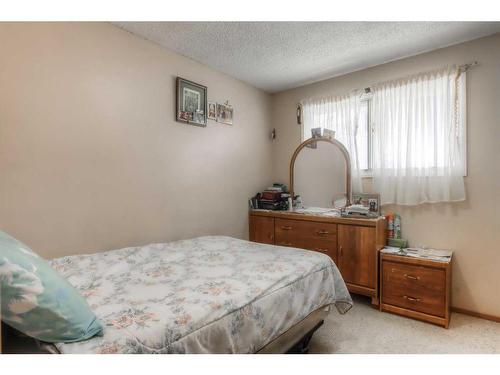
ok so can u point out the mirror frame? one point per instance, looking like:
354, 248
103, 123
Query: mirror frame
347, 163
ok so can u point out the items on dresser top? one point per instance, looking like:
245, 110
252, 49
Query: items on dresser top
416, 286
320, 211
275, 197
370, 202
358, 210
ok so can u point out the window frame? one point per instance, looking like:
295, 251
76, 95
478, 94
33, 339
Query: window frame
368, 172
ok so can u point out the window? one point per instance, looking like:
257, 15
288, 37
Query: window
345, 116
340, 114
409, 135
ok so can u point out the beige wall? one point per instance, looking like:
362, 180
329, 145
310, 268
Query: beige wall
471, 228
91, 157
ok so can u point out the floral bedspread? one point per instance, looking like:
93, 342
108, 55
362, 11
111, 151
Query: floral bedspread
205, 295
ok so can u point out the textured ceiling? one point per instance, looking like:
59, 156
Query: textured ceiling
276, 56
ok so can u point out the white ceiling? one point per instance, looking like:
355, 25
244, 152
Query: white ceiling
276, 56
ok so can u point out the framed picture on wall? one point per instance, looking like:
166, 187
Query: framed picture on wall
191, 102
212, 111
225, 114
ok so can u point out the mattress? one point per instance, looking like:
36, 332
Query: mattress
210, 294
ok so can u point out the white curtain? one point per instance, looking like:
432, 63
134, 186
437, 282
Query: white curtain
338, 113
418, 139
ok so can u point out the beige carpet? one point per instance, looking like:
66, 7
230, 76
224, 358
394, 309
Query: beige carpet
364, 330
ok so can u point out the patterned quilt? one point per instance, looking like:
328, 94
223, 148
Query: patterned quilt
205, 295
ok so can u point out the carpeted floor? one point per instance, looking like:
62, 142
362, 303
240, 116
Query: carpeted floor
364, 330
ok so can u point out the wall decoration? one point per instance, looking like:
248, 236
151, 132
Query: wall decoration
225, 113
191, 102
212, 111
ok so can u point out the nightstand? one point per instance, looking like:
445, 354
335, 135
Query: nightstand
415, 287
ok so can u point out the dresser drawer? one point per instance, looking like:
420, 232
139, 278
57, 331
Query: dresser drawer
308, 235
414, 287
328, 248
295, 229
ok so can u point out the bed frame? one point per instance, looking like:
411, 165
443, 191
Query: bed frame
293, 341
296, 339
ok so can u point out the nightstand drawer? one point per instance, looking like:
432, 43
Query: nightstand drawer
432, 305
414, 287
415, 278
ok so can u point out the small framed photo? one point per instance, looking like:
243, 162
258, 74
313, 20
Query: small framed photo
315, 133
191, 102
185, 116
370, 201
327, 133
212, 111
225, 114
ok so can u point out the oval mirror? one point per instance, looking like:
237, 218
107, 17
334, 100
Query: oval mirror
320, 174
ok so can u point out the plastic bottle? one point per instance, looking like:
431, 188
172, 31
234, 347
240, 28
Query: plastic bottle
390, 225
397, 226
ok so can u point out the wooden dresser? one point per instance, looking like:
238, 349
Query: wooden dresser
353, 244
416, 288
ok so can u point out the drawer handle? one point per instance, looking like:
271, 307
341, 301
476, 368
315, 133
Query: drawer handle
412, 277
321, 250
286, 227
413, 299
322, 232
286, 244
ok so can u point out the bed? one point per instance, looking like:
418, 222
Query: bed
211, 294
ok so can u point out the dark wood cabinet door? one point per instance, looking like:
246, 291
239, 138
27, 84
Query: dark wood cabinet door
357, 255
262, 229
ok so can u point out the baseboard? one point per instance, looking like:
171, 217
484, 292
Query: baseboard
476, 314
